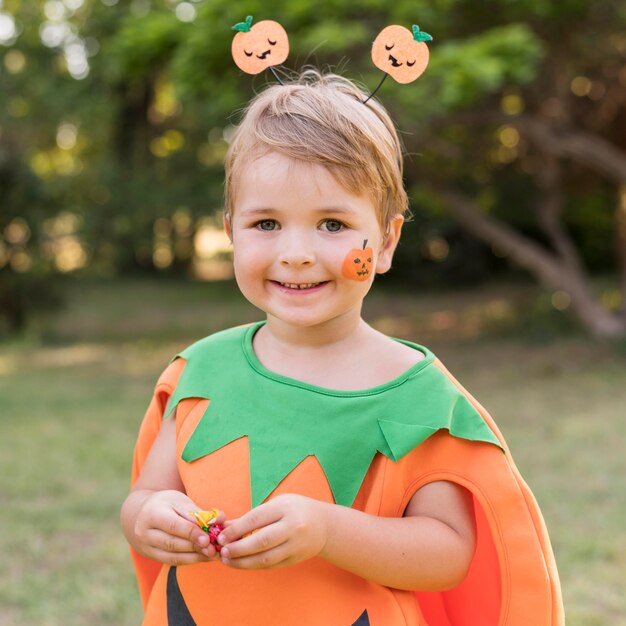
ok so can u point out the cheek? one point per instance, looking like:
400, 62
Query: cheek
250, 272
248, 263
249, 260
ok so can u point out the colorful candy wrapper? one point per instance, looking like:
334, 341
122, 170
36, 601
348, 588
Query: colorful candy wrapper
205, 520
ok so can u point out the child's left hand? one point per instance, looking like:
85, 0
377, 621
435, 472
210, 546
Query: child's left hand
286, 530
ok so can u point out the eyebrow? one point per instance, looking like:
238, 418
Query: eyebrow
342, 210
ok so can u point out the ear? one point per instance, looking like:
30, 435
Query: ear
390, 241
227, 226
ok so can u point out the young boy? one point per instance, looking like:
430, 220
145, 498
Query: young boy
330, 447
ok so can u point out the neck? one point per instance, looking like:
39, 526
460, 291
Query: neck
340, 330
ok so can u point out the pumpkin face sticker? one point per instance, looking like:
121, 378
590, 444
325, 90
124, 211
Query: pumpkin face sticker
256, 48
358, 264
401, 53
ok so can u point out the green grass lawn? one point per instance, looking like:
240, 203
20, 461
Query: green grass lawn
73, 389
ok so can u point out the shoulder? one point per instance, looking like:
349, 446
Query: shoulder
169, 377
211, 350
407, 352
396, 356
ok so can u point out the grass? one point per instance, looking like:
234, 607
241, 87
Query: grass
73, 389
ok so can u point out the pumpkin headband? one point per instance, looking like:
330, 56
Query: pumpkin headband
397, 51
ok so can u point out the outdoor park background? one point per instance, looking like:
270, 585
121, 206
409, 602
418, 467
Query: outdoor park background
114, 120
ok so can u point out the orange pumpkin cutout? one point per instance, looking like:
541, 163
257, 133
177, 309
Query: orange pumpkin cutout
358, 263
256, 48
401, 53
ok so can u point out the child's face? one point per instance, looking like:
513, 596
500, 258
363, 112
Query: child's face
293, 226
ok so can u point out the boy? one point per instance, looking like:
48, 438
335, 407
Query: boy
317, 435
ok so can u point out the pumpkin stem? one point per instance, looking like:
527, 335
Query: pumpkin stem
243, 27
364, 244
419, 35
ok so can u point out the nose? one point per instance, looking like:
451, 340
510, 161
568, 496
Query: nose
296, 251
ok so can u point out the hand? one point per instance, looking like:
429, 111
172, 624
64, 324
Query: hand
166, 532
286, 530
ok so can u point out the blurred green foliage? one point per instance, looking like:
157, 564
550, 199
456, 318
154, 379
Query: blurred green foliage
117, 114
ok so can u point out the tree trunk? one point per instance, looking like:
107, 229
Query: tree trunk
562, 269
581, 147
552, 269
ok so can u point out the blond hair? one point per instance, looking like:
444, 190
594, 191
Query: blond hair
320, 118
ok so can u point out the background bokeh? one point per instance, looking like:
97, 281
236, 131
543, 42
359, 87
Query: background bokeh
114, 120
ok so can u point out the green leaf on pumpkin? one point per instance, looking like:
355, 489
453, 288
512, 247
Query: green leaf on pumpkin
419, 35
243, 27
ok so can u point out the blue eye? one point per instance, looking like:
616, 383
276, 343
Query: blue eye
333, 226
267, 225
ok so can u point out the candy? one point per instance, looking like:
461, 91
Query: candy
205, 520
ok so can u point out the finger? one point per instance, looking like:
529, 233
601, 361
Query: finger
261, 541
179, 526
170, 543
185, 514
159, 540
261, 516
176, 558
270, 559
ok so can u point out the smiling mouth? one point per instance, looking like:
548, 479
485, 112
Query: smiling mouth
394, 61
300, 286
265, 54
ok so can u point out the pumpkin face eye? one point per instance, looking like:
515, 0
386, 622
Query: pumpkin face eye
272, 43
410, 63
248, 54
389, 47
369, 260
357, 260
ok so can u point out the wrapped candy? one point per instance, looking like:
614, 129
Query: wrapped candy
205, 520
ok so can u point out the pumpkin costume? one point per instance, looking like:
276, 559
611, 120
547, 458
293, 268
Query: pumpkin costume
245, 434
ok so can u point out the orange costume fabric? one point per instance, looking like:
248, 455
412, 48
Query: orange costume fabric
512, 580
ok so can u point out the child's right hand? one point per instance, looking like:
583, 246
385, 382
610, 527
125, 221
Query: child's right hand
165, 531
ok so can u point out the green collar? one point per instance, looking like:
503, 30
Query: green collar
287, 420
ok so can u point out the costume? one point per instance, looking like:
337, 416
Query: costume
245, 434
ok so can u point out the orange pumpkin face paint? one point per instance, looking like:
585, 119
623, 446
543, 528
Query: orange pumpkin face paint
256, 48
358, 264
401, 53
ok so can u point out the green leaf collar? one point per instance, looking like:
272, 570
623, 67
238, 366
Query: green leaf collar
286, 420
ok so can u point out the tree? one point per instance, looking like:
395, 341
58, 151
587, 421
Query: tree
565, 122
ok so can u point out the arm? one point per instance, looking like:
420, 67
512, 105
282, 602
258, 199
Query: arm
155, 515
429, 549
